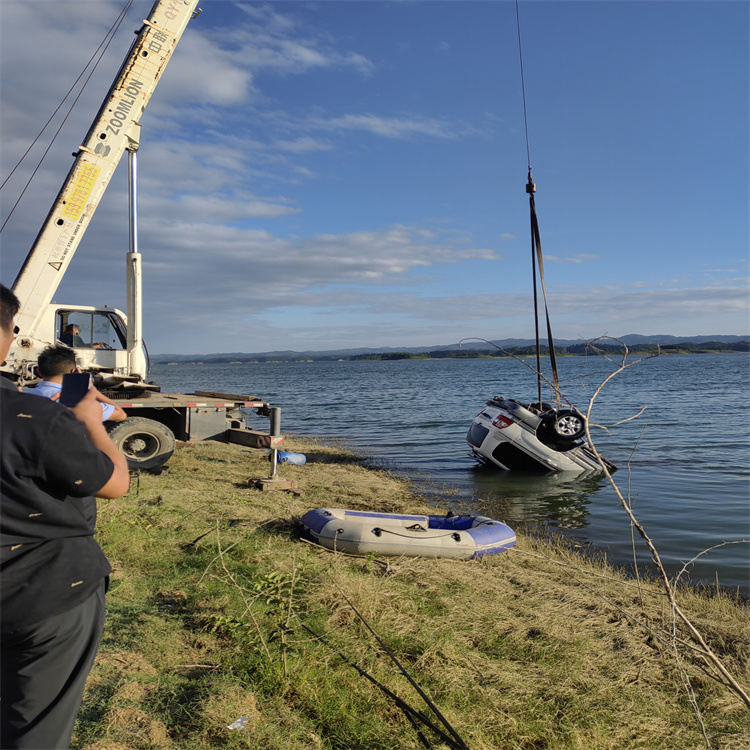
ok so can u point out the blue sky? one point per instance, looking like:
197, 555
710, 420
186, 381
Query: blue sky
318, 175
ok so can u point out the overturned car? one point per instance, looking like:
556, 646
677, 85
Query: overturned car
532, 437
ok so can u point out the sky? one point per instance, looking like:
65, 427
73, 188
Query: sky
345, 174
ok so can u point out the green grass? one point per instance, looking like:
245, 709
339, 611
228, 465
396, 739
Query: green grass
211, 585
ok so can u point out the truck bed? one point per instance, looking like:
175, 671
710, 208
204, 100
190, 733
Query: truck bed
202, 399
203, 415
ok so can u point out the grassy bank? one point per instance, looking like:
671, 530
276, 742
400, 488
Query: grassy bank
534, 648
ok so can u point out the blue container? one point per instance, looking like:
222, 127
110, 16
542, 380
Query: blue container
298, 459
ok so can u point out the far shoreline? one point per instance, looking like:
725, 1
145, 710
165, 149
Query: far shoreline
419, 358
408, 356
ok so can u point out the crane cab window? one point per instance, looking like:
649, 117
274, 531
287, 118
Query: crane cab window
90, 330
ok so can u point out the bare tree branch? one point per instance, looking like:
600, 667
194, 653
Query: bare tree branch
669, 586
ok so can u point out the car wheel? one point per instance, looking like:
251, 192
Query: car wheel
566, 424
146, 444
540, 408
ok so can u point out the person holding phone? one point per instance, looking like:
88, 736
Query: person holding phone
53, 364
53, 460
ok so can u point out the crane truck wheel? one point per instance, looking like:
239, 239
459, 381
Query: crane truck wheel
146, 444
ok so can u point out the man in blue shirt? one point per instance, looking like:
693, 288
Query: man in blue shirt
56, 361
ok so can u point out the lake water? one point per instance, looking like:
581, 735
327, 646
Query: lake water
684, 462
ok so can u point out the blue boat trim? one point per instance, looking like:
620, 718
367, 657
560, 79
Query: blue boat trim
394, 516
315, 521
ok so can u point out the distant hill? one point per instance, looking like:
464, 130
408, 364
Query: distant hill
631, 340
636, 338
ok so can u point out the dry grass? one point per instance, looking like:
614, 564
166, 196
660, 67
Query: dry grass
535, 648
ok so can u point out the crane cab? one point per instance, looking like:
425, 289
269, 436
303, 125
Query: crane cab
98, 335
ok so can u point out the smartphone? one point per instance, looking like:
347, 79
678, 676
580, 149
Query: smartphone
75, 385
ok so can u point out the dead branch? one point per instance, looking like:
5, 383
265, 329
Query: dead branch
669, 586
705, 552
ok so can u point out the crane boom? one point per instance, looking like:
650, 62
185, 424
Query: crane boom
115, 130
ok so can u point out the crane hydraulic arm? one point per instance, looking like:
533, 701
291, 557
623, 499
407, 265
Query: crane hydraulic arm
115, 130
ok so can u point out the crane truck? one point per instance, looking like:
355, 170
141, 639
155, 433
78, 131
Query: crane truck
107, 342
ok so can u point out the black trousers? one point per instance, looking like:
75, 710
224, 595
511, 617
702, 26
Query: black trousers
42, 675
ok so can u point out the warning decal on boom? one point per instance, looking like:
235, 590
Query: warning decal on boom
82, 187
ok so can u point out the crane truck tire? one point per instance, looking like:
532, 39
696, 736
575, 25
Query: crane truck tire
146, 444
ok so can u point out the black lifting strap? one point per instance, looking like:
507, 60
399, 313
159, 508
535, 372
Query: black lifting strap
536, 258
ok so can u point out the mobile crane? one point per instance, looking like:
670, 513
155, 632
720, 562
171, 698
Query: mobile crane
109, 343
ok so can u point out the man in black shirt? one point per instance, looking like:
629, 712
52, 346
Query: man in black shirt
52, 461
72, 338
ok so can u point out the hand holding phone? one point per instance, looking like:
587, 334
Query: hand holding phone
75, 386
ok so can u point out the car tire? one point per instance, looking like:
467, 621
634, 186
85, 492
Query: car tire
145, 443
540, 408
566, 424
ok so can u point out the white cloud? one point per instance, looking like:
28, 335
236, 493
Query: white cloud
216, 209
274, 40
576, 259
390, 127
303, 144
349, 317
209, 75
294, 266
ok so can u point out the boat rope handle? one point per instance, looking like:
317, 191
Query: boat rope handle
378, 531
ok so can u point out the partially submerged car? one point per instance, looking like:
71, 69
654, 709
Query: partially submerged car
532, 437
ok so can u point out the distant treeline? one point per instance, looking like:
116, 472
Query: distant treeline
575, 349
706, 347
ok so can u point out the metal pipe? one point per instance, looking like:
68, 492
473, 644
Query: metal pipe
275, 421
132, 196
275, 431
134, 309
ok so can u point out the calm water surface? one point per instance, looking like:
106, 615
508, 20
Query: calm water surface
684, 461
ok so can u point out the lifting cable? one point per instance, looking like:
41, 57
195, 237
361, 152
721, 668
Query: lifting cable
536, 249
95, 59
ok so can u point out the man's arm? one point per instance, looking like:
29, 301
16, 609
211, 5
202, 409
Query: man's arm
89, 412
118, 414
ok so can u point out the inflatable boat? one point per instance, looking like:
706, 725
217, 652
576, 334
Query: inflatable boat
393, 534
532, 437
